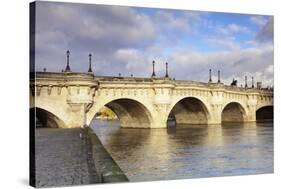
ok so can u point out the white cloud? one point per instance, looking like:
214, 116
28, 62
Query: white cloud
232, 29
233, 64
82, 29
104, 24
267, 32
225, 43
269, 69
125, 41
258, 20
170, 22
134, 61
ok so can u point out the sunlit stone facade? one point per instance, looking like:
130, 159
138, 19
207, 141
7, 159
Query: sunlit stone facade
74, 98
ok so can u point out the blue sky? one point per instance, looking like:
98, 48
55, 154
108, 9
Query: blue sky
126, 39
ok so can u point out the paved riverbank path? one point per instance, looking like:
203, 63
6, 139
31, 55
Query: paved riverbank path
63, 157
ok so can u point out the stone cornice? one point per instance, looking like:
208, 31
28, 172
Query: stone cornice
65, 79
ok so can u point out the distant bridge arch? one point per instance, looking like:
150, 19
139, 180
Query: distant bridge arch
233, 112
45, 118
264, 113
130, 112
190, 110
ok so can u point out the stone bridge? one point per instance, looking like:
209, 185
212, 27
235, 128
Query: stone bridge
70, 99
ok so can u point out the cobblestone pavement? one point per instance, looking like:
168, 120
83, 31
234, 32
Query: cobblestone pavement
63, 158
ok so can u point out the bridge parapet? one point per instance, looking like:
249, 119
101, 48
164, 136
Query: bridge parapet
64, 95
80, 87
69, 94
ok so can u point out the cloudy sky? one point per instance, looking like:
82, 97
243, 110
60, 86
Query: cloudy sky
126, 39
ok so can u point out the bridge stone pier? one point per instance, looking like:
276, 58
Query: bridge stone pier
70, 99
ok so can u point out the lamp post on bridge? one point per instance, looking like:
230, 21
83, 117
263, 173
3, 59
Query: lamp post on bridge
210, 75
67, 69
90, 63
166, 70
153, 71
219, 75
246, 83
253, 86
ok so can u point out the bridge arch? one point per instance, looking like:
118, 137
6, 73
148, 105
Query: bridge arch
233, 112
264, 113
130, 112
42, 118
190, 110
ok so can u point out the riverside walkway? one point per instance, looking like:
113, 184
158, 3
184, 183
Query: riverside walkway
63, 158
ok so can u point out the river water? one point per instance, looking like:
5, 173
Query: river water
188, 152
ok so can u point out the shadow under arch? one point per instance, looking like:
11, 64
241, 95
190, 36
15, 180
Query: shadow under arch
189, 111
233, 112
41, 118
264, 113
131, 113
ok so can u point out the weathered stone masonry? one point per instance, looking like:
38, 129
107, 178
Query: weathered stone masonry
74, 98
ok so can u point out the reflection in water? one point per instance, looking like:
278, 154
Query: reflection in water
188, 152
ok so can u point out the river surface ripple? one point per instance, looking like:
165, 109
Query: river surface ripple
188, 152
